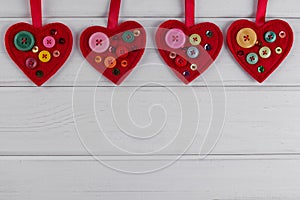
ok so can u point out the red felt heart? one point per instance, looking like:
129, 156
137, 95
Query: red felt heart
209, 48
40, 72
123, 61
265, 66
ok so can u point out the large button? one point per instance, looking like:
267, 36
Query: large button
110, 62
24, 41
252, 58
246, 38
270, 36
31, 63
195, 39
175, 38
44, 56
122, 52
265, 52
128, 36
99, 42
49, 42
180, 61
192, 52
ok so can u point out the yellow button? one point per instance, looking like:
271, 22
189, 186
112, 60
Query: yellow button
110, 62
44, 56
195, 39
265, 52
246, 38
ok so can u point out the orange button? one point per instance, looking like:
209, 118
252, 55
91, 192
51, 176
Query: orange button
110, 62
246, 38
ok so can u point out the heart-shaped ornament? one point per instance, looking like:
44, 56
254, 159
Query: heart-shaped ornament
188, 50
39, 51
116, 51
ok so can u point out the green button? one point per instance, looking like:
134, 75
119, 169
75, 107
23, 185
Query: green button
270, 36
252, 58
128, 36
24, 41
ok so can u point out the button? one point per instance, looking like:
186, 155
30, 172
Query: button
53, 32
194, 67
98, 59
240, 53
172, 55
270, 36
252, 58
110, 62
265, 52
99, 42
282, 34
44, 56
116, 71
35, 49
175, 38
24, 41
122, 52
246, 38
209, 34
56, 53
49, 42
39, 73
128, 36
193, 52
195, 39
278, 50
31, 63
186, 73
180, 61
136, 33
261, 69
124, 63
207, 47
61, 41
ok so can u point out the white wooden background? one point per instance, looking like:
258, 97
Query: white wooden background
45, 133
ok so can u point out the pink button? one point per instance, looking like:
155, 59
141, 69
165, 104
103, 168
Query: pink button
49, 42
175, 38
99, 42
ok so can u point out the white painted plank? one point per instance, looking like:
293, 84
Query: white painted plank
213, 178
225, 71
39, 121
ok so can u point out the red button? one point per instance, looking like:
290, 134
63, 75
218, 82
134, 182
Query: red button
122, 52
180, 61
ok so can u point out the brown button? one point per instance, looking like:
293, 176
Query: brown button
246, 38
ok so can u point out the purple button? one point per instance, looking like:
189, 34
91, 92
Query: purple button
175, 38
31, 63
99, 42
49, 42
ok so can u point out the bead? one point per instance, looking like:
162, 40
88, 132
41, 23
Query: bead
209, 34
282, 34
172, 55
98, 59
207, 47
260, 69
194, 67
278, 50
39, 73
56, 53
116, 71
35, 49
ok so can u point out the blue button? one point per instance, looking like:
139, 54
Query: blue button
252, 58
270, 36
192, 52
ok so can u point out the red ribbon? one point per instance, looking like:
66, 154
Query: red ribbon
113, 16
189, 13
261, 12
36, 13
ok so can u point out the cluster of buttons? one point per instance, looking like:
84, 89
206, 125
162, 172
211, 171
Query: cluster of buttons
177, 40
25, 41
112, 54
247, 38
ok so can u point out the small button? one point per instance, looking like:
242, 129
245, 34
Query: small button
49, 42
128, 37
195, 39
265, 52
116, 71
99, 42
282, 34
246, 38
124, 63
240, 53
270, 36
207, 47
180, 61
193, 52
39, 73
31, 63
136, 33
175, 38
252, 58
61, 41
110, 62
35, 49
172, 55
194, 67
24, 41
278, 50
122, 52
53, 32
56, 53
98, 59
261, 69
44, 56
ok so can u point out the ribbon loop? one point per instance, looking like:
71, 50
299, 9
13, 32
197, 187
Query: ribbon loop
189, 13
113, 16
261, 12
36, 13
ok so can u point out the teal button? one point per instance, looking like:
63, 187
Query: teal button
252, 58
270, 36
128, 36
24, 41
